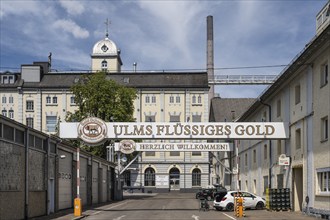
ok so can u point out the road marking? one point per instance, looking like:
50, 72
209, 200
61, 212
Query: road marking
229, 216
120, 217
117, 205
195, 217
95, 213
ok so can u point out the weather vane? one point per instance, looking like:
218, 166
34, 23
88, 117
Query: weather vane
107, 23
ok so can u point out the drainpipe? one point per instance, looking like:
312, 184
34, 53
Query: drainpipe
26, 189
270, 144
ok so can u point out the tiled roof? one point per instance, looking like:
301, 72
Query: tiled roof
228, 109
136, 80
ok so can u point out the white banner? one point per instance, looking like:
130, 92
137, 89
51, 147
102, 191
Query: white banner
177, 147
90, 128
161, 180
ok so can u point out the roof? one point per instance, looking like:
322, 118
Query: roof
149, 80
228, 109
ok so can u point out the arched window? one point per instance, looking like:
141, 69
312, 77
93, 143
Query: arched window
194, 99
104, 65
199, 99
149, 177
196, 177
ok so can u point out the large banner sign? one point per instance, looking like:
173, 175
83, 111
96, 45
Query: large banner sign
94, 130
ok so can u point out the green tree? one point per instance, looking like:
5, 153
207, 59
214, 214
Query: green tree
98, 96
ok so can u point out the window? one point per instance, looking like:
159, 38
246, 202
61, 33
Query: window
171, 99
150, 153
298, 138
48, 100
29, 106
297, 94
54, 100
4, 99
153, 99
246, 159
8, 132
324, 74
51, 123
196, 118
279, 147
196, 153
147, 99
265, 151
323, 176
149, 177
278, 109
174, 153
150, 118
4, 112
11, 113
19, 136
29, 122
174, 118
324, 129
104, 65
194, 99
177, 99
254, 156
196, 177
199, 99
265, 183
11, 99
264, 116
5, 80
72, 100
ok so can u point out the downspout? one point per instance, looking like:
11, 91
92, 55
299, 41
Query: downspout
26, 189
270, 144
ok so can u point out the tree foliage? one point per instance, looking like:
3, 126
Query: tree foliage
98, 96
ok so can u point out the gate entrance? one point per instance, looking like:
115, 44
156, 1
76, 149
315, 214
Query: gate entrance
174, 179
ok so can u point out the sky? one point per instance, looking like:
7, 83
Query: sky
160, 35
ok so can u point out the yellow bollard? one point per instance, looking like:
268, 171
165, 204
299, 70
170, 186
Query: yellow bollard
77, 207
239, 207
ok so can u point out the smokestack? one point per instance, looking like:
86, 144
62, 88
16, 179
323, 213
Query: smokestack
209, 54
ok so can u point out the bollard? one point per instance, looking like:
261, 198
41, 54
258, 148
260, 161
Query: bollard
77, 207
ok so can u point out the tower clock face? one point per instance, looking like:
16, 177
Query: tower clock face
104, 48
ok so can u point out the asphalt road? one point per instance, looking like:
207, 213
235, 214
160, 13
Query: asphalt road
173, 206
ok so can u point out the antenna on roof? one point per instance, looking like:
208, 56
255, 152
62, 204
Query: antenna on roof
107, 23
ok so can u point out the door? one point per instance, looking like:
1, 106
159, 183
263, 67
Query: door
174, 179
297, 189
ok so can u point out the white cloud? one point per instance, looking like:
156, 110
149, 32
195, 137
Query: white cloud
72, 7
10, 8
70, 26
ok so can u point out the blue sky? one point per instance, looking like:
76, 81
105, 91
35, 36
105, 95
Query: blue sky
159, 34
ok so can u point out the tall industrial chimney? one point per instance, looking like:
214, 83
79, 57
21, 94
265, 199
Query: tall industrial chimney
209, 54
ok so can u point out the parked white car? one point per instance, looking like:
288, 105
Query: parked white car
227, 202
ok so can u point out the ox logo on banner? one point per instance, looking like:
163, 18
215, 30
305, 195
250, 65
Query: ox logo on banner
92, 131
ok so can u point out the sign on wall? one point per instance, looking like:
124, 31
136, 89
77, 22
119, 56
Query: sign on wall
94, 131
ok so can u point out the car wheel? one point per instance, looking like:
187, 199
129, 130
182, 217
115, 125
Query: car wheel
230, 207
209, 198
260, 205
218, 208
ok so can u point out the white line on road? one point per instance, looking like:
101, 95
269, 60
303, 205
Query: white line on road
229, 216
195, 217
120, 217
117, 205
